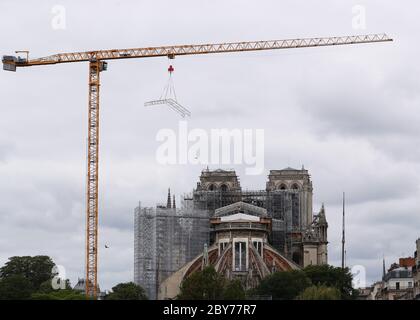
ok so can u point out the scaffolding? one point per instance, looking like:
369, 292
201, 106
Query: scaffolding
144, 249
283, 206
166, 239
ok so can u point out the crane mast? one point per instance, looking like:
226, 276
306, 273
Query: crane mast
97, 64
95, 68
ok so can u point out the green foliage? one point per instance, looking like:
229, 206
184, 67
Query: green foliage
46, 286
36, 269
64, 294
30, 278
234, 291
203, 285
207, 284
283, 285
46, 292
127, 291
331, 276
15, 287
320, 293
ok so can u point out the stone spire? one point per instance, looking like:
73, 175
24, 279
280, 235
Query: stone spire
322, 225
322, 217
168, 203
173, 202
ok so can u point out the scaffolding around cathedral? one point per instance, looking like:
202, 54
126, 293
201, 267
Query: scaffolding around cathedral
281, 205
165, 239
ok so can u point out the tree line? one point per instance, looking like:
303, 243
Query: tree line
30, 278
26, 277
323, 282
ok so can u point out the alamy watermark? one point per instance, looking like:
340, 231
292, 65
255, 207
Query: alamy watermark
359, 276
58, 281
215, 147
359, 17
58, 20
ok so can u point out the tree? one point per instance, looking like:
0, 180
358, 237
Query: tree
206, 284
47, 292
30, 278
62, 294
320, 293
283, 285
36, 269
234, 291
15, 287
331, 276
127, 291
46, 286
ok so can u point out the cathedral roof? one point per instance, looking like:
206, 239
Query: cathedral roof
290, 168
239, 217
241, 207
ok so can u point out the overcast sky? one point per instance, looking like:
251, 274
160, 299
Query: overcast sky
350, 114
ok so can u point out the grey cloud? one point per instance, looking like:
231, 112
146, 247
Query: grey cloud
6, 150
348, 114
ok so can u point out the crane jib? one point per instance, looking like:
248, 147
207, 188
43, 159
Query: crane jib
11, 62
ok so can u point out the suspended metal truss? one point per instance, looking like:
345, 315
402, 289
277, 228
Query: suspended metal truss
171, 103
168, 97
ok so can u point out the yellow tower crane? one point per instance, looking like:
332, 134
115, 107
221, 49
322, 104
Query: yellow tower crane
97, 63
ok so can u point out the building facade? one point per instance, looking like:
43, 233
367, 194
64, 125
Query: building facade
398, 284
416, 271
297, 232
167, 238
241, 250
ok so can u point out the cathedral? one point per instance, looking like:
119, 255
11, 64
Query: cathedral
244, 234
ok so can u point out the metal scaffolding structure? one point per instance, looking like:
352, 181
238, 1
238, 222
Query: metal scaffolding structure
144, 248
283, 206
165, 239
